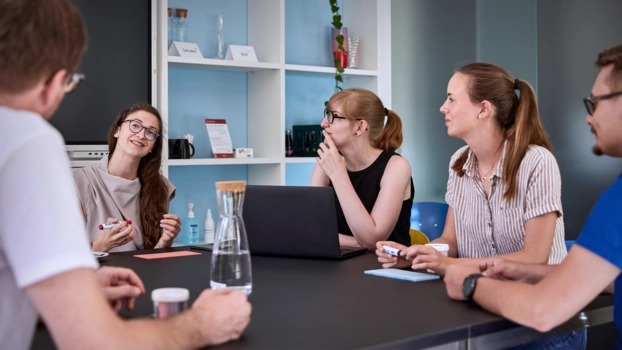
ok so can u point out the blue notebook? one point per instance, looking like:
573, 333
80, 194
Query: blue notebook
402, 275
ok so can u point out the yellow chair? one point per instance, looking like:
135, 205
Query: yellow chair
418, 237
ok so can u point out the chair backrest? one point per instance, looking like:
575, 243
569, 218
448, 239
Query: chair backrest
429, 218
418, 237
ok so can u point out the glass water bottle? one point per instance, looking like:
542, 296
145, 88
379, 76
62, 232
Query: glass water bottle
181, 28
231, 260
171, 28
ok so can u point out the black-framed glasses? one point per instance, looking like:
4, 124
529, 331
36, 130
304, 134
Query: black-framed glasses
73, 83
590, 102
330, 116
136, 126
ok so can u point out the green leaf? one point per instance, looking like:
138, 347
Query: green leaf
339, 88
332, 2
339, 39
325, 103
337, 61
334, 8
340, 69
339, 78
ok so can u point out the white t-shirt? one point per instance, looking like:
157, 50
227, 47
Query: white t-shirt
41, 227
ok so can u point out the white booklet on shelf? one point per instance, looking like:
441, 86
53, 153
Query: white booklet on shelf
219, 138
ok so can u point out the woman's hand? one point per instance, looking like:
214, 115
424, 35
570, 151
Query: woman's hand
387, 260
426, 257
118, 235
329, 158
171, 226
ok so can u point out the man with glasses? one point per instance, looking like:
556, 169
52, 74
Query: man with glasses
544, 296
46, 266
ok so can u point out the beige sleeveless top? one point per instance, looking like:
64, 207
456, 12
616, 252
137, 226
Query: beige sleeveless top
103, 195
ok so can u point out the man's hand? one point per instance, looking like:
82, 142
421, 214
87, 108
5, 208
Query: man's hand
502, 269
120, 284
454, 278
223, 315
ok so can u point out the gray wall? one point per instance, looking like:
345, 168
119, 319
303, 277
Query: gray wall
571, 33
550, 43
430, 38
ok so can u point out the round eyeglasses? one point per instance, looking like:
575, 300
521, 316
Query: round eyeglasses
73, 83
330, 116
136, 126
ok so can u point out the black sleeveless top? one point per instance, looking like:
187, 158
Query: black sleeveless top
366, 184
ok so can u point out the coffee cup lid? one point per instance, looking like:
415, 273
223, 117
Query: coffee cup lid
170, 295
439, 246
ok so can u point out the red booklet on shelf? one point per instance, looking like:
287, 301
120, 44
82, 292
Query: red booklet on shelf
219, 138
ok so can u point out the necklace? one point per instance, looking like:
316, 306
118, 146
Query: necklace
485, 177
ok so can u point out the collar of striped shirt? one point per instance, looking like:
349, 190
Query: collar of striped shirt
470, 166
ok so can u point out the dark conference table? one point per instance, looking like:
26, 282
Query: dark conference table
328, 304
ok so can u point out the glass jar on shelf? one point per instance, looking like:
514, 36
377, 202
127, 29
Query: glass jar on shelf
181, 27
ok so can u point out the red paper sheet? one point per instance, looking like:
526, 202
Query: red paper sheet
165, 255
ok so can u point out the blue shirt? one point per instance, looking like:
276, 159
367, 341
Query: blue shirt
602, 234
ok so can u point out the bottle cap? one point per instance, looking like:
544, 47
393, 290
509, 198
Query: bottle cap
170, 12
231, 186
181, 13
170, 295
190, 212
209, 213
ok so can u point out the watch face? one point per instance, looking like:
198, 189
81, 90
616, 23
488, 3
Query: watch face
468, 287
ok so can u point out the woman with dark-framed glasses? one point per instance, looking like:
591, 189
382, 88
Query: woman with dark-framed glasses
127, 185
372, 183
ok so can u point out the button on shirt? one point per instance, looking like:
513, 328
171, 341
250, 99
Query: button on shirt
489, 226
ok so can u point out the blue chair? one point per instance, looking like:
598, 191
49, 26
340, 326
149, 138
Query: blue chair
569, 244
429, 218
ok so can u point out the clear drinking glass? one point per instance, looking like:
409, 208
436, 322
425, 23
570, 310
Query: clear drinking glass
171, 27
231, 260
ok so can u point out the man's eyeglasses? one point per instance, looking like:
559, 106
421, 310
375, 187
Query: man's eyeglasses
73, 83
136, 126
590, 102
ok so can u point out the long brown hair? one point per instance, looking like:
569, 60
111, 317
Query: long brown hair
363, 104
153, 190
517, 117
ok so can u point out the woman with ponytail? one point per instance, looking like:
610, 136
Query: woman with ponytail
372, 183
127, 185
504, 187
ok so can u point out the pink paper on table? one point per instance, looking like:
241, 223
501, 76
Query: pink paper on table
165, 255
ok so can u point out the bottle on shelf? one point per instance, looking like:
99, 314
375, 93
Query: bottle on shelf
231, 260
209, 227
193, 226
289, 147
171, 27
181, 27
221, 37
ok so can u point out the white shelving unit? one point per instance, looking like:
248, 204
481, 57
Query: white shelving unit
371, 19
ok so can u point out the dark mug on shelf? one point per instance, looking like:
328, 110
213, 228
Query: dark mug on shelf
180, 149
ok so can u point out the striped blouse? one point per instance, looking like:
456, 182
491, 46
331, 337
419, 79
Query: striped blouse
492, 226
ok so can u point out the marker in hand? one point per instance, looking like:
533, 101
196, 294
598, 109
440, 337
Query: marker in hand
111, 224
392, 251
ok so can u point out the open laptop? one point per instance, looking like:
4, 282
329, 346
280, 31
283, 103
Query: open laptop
293, 221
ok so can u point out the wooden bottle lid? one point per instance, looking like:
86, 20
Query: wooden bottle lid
231, 186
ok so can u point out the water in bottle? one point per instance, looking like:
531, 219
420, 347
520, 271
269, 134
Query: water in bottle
231, 260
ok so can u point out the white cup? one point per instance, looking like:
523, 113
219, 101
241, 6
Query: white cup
442, 248
169, 302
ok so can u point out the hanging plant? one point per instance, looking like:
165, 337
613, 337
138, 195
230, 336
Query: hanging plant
340, 40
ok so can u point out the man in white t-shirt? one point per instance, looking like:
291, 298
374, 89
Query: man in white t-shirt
46, 266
